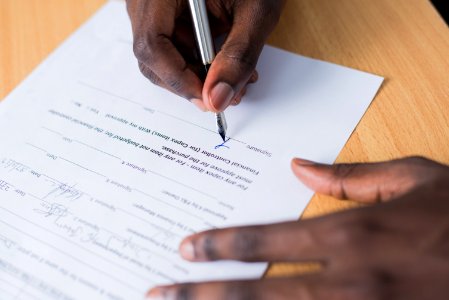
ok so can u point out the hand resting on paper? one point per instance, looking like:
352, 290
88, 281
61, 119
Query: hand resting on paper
396, 247
164, 44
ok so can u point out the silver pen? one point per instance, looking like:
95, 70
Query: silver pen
207, 50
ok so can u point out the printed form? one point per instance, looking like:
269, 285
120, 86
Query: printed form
102, 174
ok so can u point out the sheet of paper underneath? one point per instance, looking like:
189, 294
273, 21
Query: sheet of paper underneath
102, 174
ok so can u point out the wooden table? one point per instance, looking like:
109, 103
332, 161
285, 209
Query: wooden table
405, 41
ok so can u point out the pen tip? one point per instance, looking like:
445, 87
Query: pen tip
223, 136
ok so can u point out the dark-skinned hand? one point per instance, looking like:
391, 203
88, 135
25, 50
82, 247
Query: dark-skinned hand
396, 247
164, 44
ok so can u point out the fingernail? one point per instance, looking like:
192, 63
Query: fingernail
199, 103
187, 250
254, 77
236, 101
155, 294
221, 96
303, 162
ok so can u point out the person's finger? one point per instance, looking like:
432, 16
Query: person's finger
199, 104
154, 48
278, 288
235, 63
321, 286
366, 182
320, 239
254, 77
238, 99
152, 77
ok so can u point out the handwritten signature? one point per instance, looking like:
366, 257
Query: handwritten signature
4, 186
12, 165
60, 213
222, 145
66, 191
52, 209
69, 224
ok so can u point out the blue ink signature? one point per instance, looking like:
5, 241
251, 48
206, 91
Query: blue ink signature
222, 145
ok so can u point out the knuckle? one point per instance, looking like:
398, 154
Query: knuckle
341, 172
175, 83
150, 75
348, 236
141, 49
415, 166
355, 233
264, 14
417, 160
246, 243
243, 54
344, 170
208, 247
147, 49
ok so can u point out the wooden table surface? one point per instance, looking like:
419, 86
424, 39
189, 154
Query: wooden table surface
406, 41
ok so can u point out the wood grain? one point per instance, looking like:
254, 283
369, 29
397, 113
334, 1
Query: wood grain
405, 41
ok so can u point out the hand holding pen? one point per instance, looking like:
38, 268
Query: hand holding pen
165, 46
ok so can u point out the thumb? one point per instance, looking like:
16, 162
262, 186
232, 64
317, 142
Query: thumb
235, 63
366, 182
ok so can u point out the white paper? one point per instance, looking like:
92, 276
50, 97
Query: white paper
102, 174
